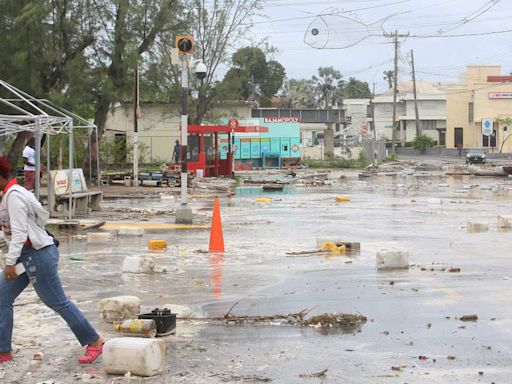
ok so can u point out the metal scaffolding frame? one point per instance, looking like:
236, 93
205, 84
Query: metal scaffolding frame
40, 116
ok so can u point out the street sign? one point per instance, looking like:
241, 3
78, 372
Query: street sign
487, 127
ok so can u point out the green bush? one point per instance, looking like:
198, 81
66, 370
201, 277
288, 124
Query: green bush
423, 142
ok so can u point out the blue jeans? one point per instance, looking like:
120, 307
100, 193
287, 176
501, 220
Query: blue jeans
42, 272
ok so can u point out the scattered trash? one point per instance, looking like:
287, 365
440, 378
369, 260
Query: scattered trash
322, 373
164, 320
138, 264
227, 377
392, 259
477, 226
137, 327
263, 200
454, 270
140, 357
38, 356
423, 357
131, 231
504, 221
451, 357
119, 308
342, 199
157, 245
468, 318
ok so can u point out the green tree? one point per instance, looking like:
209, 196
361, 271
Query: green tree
326, 84
356, 89
388, 76
217, 26
252, 77
43, 53
422, 142
298, 93
127, 31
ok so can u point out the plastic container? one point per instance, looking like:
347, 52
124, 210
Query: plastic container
199, 173
263, 200
140, 357
119, 308
164, 319
131, 231
137, 327
477, 226
342, 199
392, 259
138, 264
157, 245
504, 221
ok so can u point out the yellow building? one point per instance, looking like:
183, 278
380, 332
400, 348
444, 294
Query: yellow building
479, 110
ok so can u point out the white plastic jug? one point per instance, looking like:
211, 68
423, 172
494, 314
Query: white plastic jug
138, 264
119, 308
395, 258
141, 357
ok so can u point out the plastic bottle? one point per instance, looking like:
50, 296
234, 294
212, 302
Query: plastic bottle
137, 327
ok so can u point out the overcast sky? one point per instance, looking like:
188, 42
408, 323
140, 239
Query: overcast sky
287, 22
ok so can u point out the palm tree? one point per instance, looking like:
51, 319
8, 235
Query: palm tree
388, 76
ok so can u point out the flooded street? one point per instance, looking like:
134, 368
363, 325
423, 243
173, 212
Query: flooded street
411, 313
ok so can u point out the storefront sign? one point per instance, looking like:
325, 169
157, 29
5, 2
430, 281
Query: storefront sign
500, 95
282, 120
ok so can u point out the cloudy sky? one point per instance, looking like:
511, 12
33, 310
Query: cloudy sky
446, 35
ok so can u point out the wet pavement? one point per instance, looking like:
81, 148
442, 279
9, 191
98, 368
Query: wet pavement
411, 313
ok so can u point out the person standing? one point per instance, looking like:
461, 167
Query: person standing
23, 221
176, 152
29, 161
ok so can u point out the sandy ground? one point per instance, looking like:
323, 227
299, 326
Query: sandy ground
414, 333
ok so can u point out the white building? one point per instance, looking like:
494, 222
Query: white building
431, 111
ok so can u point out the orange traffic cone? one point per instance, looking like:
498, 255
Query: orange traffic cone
216, 236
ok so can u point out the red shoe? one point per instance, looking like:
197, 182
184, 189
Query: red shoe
91, 354
5, 358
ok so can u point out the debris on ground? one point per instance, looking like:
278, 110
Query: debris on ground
468, 318
335, 320
316, 374
227, 377
454, 270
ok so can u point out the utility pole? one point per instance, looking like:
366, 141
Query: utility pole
395, 36
136, 116
184, 212
418, 125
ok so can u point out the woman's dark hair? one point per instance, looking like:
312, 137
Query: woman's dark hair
5, 168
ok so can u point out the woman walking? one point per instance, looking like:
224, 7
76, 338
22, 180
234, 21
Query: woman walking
23, 222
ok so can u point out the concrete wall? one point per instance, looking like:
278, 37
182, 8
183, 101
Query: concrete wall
159, 126
476, 90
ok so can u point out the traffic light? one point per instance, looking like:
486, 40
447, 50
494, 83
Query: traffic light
185, 44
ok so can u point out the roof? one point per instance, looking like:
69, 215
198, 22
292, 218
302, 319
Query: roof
407, 86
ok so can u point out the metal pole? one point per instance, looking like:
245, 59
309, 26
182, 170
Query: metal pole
184, 213
136, 128
89, 142
48, 168
395, 77
38, 158
418, 124
70, 169
184, 128
98, 176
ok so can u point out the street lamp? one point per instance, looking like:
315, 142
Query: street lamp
185, 46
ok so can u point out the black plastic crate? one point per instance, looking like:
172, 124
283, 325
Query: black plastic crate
164, 319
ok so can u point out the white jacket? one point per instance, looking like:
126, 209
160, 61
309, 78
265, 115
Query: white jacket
22, 217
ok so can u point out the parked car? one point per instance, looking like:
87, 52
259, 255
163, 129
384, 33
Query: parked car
475, 155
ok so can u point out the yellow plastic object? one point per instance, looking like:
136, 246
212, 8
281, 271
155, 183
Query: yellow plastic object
157, 245
335, 250
329, 246
263, 200
342, 199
